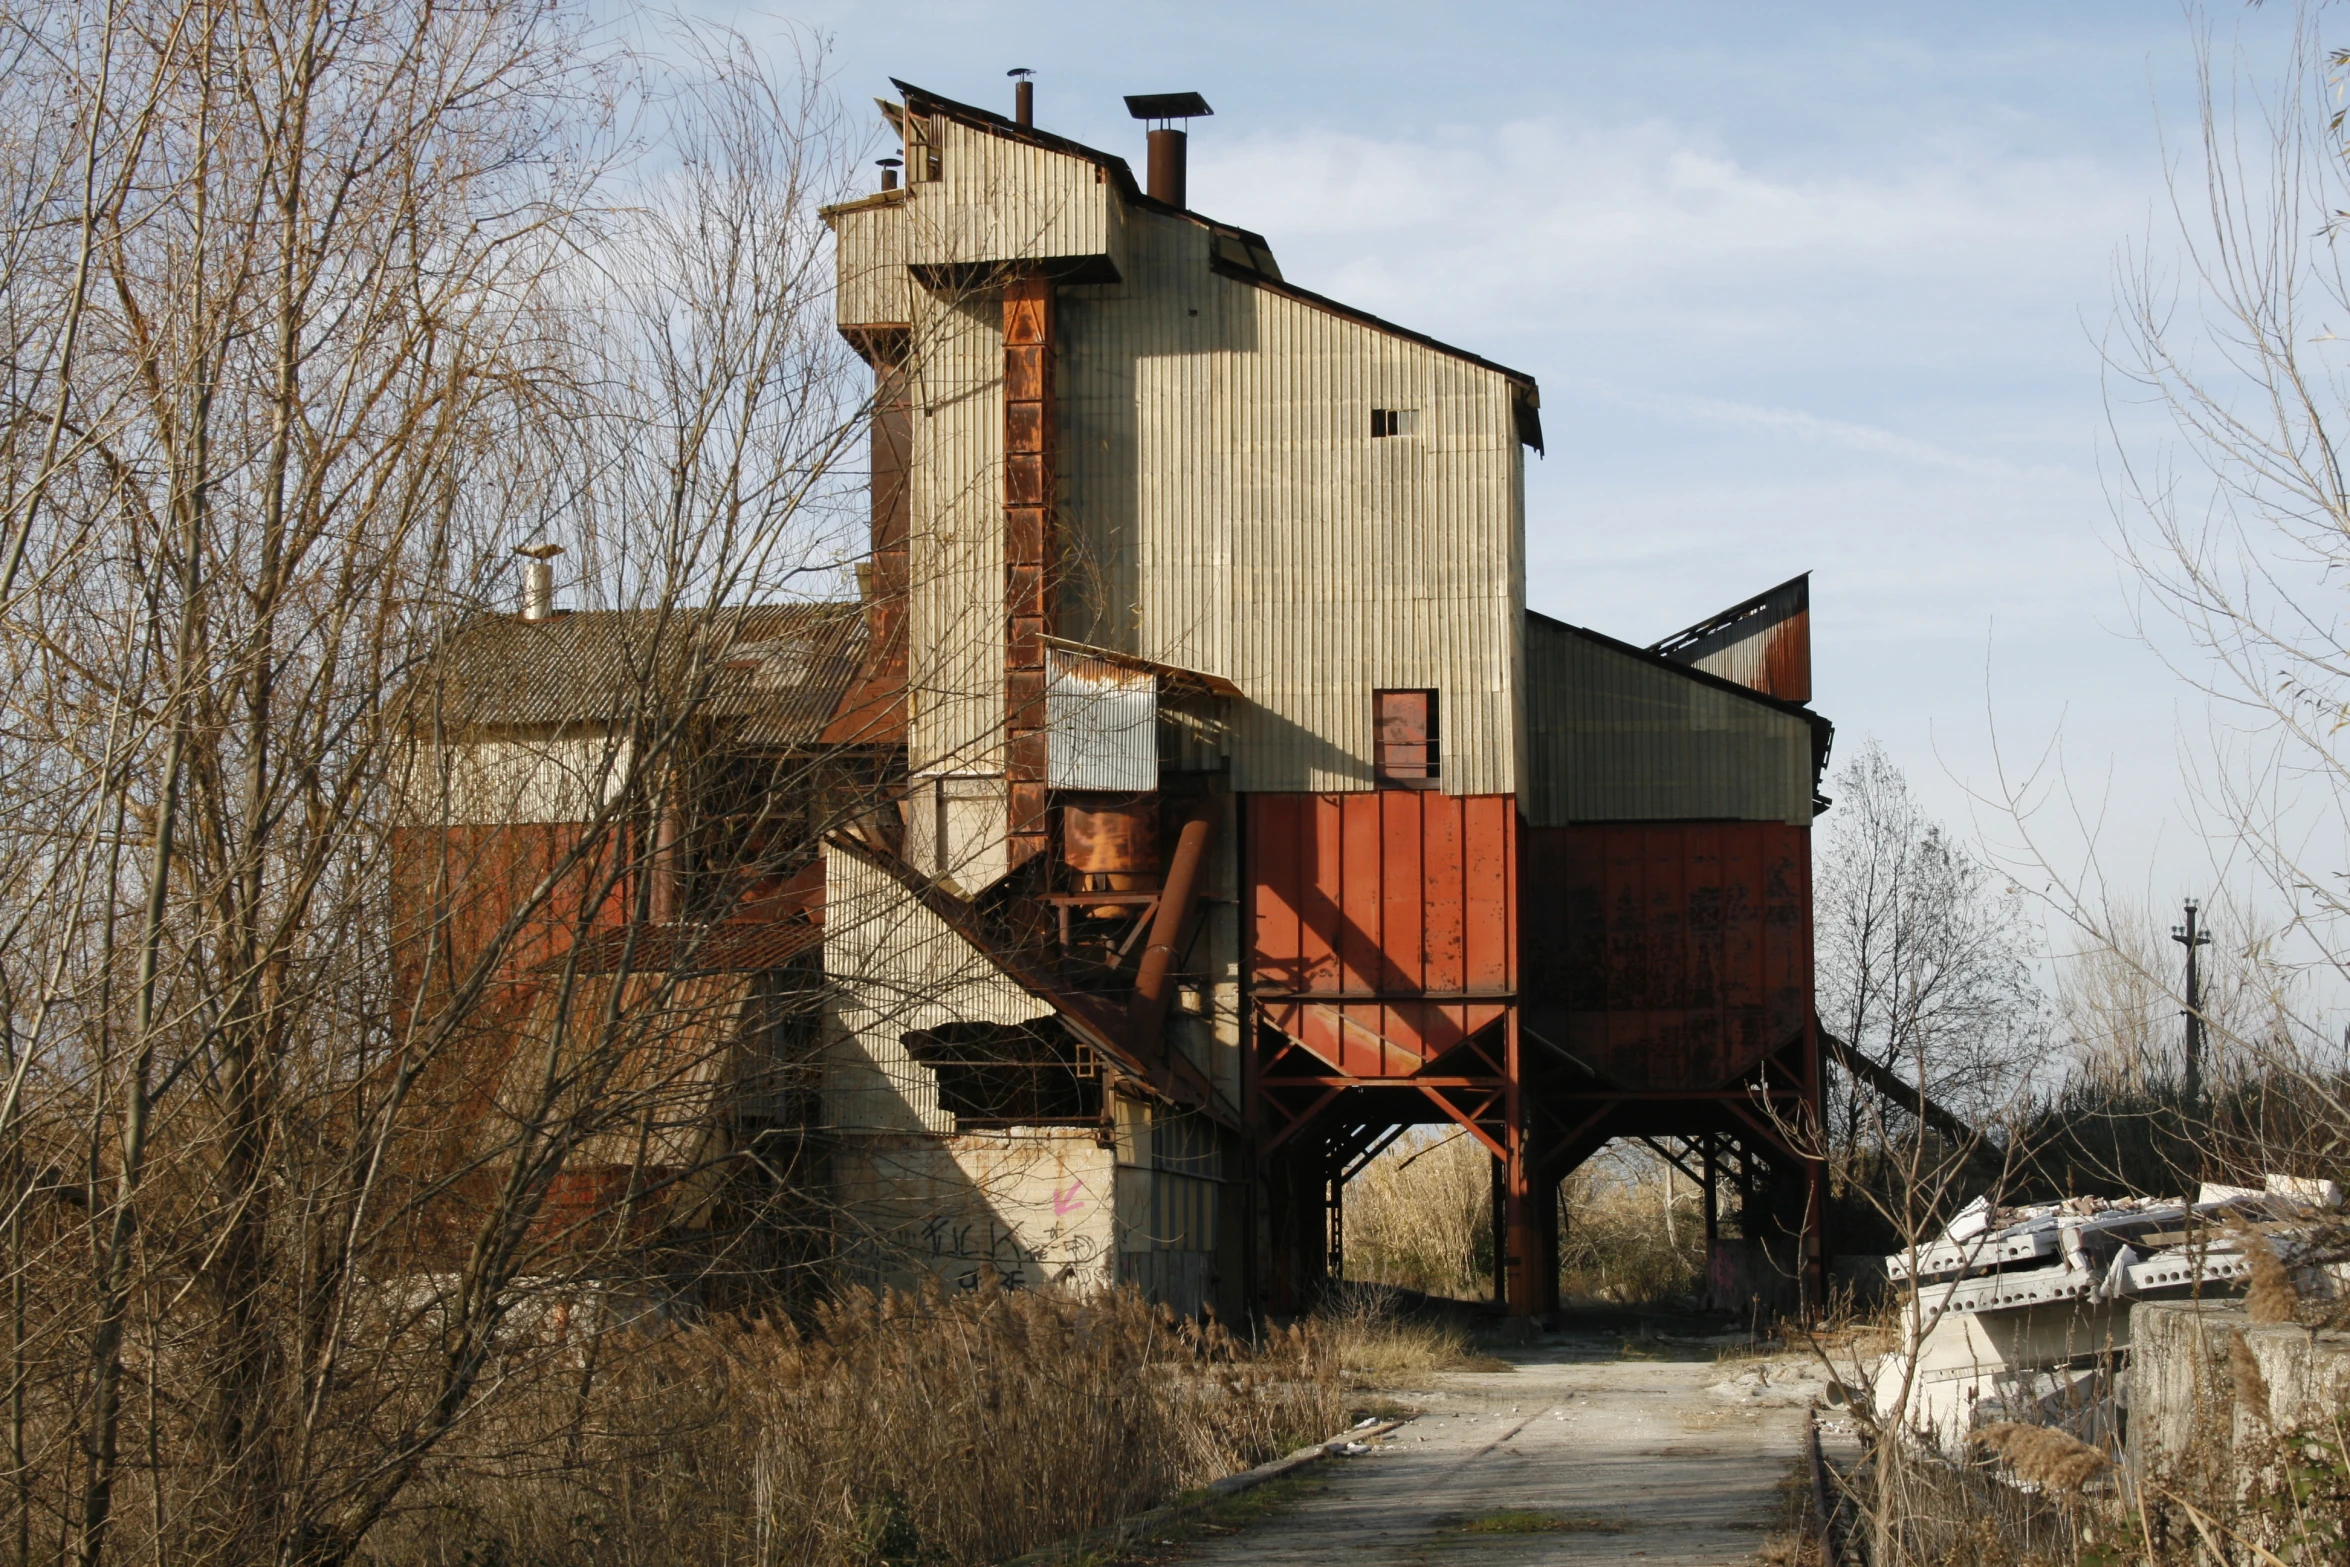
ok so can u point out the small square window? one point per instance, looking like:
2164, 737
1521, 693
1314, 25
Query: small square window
1393, 421
1404, 740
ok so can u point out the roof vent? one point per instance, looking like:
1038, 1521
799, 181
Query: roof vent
538, 580
889, 172
1023, 96
1167, 143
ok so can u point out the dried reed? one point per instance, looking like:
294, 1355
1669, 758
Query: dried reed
2044, 1456
949, 1429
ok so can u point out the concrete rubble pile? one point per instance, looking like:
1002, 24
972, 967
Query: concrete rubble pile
2024, 1313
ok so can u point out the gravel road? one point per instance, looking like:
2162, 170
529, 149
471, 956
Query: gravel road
1575, 1456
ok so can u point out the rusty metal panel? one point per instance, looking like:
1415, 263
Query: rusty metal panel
1229, 510
1381, 925
1763, 644
1614, 733
1669, 955
1101, 725
671, 1049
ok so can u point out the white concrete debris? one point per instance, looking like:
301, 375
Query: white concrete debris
2023, 1313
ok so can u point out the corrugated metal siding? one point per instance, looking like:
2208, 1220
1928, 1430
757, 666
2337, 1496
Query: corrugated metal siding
1229, 511
1612, 735
1774, 659
1669, 956
1382, 895
870, 245
1763, 644
895, 967
1101, 725
955, 548
1000, 200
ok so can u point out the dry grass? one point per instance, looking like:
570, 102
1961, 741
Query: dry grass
2252, 1392
1420, 1217
1634, 1232
1380, 1340
932, 1429
2271, 1296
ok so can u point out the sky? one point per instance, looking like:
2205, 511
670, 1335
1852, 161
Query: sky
1806, 287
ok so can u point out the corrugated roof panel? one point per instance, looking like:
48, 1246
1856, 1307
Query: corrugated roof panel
779, 669
897, 968
998, 199
1763, 644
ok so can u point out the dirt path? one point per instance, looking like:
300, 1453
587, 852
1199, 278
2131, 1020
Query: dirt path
1576, 1456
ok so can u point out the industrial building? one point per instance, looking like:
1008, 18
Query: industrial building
1192, 803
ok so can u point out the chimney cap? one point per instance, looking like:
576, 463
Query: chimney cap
1019, 70
1167, 106
539, 551
890, 163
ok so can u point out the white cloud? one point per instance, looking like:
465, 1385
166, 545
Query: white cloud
1811, 428
1534, 225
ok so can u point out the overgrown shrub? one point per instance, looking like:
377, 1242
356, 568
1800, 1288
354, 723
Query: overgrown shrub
1631, 1233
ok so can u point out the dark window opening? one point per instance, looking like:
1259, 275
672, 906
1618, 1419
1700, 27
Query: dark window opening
1405, 739
782, 1087
1393, 421
996, 1074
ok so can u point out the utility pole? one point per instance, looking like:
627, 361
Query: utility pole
2191, 936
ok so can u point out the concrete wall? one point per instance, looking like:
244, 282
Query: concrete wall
1036, 1204
2202, 1425
1140, 1202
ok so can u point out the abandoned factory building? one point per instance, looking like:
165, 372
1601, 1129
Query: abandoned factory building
1217, 811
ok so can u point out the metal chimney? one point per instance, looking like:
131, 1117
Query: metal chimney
889, 172
1168, 180
538, 580
1023, 96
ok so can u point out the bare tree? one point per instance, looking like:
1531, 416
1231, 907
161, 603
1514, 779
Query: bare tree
313, 312
1925, 956
2234, 528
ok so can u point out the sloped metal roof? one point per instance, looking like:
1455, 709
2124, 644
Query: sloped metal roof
779, 670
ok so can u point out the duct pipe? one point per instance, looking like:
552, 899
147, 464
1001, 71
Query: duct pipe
1154, 988
538, 591
664, 867
538, 580
1167, 181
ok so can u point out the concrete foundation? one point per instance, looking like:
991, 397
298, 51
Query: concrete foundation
2199, 1419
